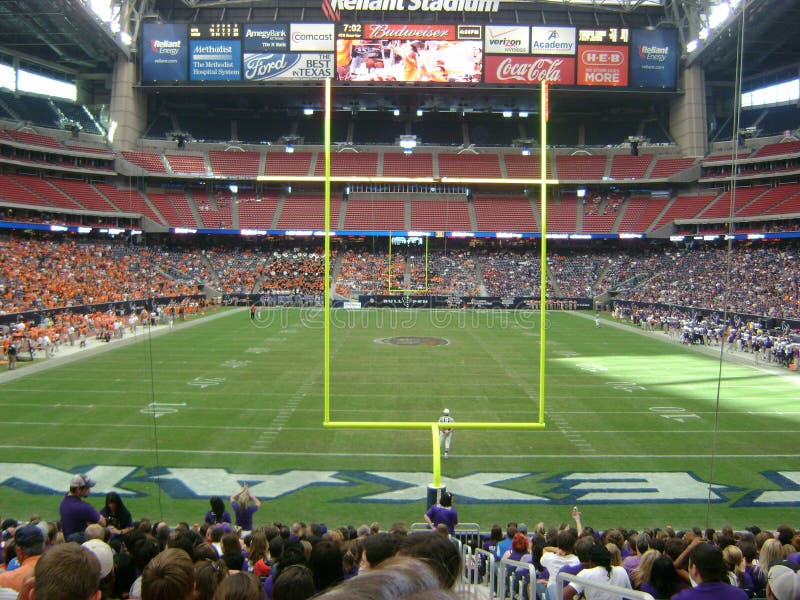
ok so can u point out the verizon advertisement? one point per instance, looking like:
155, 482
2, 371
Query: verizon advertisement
603, 65
507, 39
530, 70
553, 40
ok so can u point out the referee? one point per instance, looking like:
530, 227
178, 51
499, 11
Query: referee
445, 435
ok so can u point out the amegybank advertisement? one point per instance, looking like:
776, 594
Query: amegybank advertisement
165, 53
266, 37
654, 58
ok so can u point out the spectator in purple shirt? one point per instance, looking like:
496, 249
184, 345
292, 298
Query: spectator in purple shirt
443, 513
244, 505
707, 570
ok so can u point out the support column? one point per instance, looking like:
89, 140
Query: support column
128, 107
687, 117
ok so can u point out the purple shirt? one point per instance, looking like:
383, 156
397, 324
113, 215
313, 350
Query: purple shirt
712, 591
76, 515
210, 518
442, 514
244, 516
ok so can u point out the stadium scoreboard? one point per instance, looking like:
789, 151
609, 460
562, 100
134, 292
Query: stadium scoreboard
406, 53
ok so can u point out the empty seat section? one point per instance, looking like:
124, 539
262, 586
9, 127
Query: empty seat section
283, 163
790, 204
85, 194
685, 207
12, 191
525, 167
258, 214
440, 215
129, 200
771, 198
174, 206
625, 166
43, 189
344, 164
34, 139
398, 164
469, 165
778, 149
505, 214
721, 206
667, 167
187, 163
234, 163
149, 161
562, 215
580, 167
307, 212
375, 214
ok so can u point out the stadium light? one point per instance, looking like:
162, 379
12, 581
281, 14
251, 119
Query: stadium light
692, 46
396, 112
526, 151
508, 114
308, 111
419, 112
524, 114
408, 143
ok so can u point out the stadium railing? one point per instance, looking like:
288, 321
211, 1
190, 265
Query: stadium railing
510, 585
625, 593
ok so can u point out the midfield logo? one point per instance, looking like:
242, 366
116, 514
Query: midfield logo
408, 487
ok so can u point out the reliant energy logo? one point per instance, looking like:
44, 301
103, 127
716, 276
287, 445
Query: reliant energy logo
165, 47
333, 8
654, 53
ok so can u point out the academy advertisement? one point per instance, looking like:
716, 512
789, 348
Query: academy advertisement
553, 40
654, 58
287, 67
218, 60
165, 54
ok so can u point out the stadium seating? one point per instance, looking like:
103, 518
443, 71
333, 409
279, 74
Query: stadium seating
562, 214
769, 199
257, 213
640, 213
375, 214
186, 164
34, 139
440, 215
343, 164
307, 212
505, 214
398, 164
235, 163
149, 161
580, 167
12, 191
778, 149
525, 167
45, 190
288, 164
129, 200
174, 206
721, 206
684, 207
625, 166
469, 165
667, 167
86, 194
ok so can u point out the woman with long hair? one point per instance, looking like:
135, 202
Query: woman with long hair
600, 571
244, 505
217, 515
664, 581
118, 518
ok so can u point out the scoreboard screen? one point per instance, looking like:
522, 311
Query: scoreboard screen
406, 53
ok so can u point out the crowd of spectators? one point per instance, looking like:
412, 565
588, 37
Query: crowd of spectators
114, 555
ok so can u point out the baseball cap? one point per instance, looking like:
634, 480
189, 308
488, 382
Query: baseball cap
28, 536
786, 584
104, 554
82, 480
446, 411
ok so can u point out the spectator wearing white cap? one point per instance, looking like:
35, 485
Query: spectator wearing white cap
783, 583
76, 514
105, 557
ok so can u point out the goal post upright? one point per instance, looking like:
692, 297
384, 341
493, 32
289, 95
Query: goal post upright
434, 427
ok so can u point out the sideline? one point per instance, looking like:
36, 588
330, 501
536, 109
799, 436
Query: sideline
740, 358
67, 354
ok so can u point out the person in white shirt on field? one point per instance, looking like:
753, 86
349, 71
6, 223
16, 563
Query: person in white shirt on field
446, 434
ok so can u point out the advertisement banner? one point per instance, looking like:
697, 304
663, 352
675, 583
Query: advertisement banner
654, 58
214, 60
287, 67
311, 37
400, 31
530, 70
603, 65
553, 40
508, 39
391, 60
165, 55
267, 37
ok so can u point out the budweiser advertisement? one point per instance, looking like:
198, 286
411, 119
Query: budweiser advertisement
603, 65
529, 70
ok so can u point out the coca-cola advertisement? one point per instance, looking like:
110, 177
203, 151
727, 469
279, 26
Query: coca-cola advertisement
529, 70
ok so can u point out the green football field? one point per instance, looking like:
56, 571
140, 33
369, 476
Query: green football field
639, 431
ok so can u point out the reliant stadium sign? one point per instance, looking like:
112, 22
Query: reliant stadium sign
334, 7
